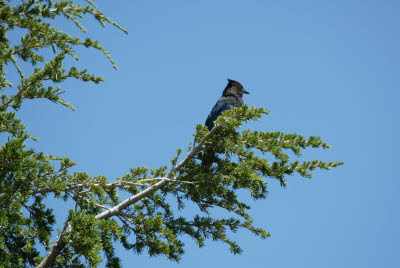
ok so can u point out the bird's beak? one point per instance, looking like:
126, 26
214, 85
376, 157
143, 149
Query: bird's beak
245, 92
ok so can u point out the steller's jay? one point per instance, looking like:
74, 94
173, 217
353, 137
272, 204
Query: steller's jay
231, 97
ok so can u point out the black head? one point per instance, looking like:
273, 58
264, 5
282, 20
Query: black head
234, 88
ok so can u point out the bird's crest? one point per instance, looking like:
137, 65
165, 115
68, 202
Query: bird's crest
234, 88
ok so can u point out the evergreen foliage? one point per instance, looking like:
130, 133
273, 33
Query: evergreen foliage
217, 165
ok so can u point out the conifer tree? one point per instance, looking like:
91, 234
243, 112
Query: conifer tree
99, 218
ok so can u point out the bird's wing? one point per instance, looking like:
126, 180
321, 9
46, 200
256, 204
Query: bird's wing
218, 108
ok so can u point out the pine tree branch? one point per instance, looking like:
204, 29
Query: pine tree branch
133, 199
61, 243
46, 190
117, 184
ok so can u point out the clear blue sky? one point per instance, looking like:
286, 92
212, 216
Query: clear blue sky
328, 68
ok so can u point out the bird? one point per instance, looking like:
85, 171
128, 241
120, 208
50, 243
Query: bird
232, 96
